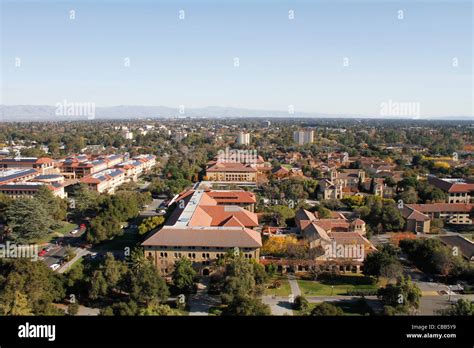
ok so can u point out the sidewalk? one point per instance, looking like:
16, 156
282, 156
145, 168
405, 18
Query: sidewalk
295, 288
200, 302
79, 253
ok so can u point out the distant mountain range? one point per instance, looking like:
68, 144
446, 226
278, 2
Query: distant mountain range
70, 112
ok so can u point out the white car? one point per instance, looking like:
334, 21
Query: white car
74, 231
55, 266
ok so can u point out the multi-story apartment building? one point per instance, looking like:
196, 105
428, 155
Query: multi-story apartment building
203, 230
43, 165
81, 166
418, 216
105, 181
17, 175
458, 190
30, 188
303, 137
243, 138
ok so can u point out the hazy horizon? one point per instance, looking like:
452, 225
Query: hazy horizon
407, 59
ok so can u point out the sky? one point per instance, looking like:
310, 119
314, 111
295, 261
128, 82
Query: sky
334, 57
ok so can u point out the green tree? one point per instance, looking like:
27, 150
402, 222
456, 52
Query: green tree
462, 307
137, 259
19, 306
239, 279
403, 297
245, 305
409, 196
98, 285
85, 200
69, 253
5, 202
155, 308
301, 303
54, 206
73, 308
281, 214
27, 220
326, 309
150, 223
382, 263
20, 279
183, 275
113, 271
147, 285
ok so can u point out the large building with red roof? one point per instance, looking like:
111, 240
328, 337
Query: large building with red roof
43, 165
419, 216
338, 238
458, 190
205, 225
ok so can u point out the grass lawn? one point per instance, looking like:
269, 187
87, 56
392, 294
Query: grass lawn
59, 232
350, 308
119, 242
75, 264
65, 228
216, 310
283, 290
341, 284
358, 307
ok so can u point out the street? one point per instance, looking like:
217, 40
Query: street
150, 210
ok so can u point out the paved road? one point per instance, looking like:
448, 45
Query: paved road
283, 305
58, 251
80, 252
279, 305
151, 209
200, 302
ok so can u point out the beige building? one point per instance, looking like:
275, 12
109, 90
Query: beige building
203, 231
303, 137
458, 190
232, 173
418, 216
338, 238
105, 181
43, 165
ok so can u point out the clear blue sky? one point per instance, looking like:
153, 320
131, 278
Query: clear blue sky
282, 62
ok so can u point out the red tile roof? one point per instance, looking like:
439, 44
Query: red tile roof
227, 237
231, 167
442, 207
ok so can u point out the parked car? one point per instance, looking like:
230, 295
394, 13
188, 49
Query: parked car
55, 266
42, 252
74, 231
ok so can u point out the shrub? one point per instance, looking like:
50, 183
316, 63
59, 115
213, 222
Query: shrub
301, 303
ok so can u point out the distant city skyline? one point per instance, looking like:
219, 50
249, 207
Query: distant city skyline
387, 58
